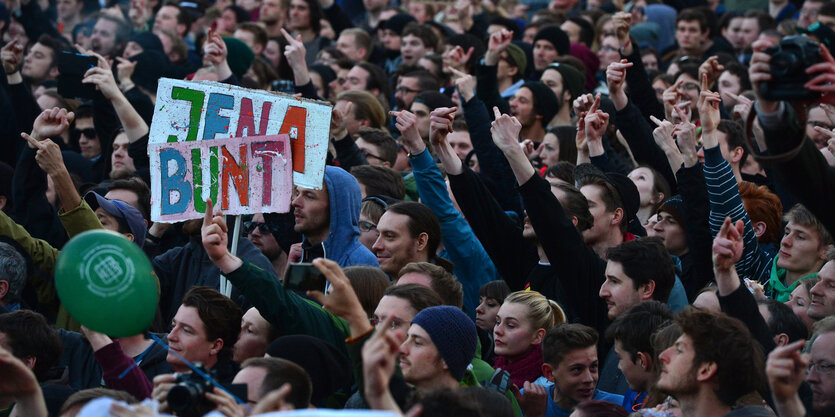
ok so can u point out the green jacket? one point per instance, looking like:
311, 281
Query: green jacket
776, 285
44, 256
289, 312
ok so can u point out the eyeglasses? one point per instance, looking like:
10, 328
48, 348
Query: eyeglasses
263, 228
817, 123
606, 48
367, 226
821, 367
88, 132
691, 86
394, 323
367, 154
403, 90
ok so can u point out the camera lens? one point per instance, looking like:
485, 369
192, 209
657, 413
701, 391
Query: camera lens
182, 396
784, 63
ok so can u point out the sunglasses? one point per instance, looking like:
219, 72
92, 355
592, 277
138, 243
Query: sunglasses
88, 132
263, 228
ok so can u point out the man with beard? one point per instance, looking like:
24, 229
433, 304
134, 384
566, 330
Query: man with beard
272, 16
567, 84
711, 365
109, 36
328, 220
534, 105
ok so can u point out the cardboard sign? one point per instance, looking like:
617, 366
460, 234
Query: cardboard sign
241, 175
187, 113
199, 110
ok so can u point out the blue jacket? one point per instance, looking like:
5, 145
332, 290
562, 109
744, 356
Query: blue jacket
473, 266
342, 245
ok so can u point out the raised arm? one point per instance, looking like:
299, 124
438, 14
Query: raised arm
579, 269
290, 313
491, 162
473, 266
634, 127
102, 77
723, 190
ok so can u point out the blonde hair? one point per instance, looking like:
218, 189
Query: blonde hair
544, 313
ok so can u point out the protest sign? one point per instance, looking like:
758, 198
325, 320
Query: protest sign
244, 175
184, 172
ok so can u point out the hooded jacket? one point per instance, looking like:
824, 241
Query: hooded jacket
342, 245
776, 287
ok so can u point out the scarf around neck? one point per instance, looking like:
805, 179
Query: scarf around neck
527, 368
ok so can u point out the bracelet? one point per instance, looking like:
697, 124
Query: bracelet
623, 48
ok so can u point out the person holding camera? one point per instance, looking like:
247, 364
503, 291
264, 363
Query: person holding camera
204, 330
798, 163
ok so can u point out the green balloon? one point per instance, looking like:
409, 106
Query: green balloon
106, 282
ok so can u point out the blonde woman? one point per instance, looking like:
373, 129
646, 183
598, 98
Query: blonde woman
521, 323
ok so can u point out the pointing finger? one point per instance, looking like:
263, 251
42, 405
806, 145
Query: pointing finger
31, 140
207, 219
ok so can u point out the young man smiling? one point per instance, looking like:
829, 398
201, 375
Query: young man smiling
571, 366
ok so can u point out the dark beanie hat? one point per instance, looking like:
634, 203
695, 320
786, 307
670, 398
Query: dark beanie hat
452, 333
675, 207
629, 194
572, 79
148, 41
517, 56
434, 99
556, 36
240, 57
397, 22
545, 102
151, 65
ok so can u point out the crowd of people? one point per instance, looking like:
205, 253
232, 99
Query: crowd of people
530, 208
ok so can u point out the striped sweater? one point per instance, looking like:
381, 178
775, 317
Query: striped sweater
725, 201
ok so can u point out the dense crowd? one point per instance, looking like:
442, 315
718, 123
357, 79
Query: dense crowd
530, 208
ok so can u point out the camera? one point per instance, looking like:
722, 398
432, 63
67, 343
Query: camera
789, 61
189, 389
188, 395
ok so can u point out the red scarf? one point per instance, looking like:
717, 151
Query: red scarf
527, 368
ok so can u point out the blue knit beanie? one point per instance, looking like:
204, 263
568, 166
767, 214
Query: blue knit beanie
453, 334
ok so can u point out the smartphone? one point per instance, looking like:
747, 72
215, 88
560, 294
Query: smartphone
304, 277
71, 70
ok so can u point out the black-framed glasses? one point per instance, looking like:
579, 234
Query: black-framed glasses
367, 226
88, 132
816, 123
403, 90
367, 154
821, 367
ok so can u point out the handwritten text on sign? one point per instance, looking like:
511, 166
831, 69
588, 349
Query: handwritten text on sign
188, 111
251, 175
